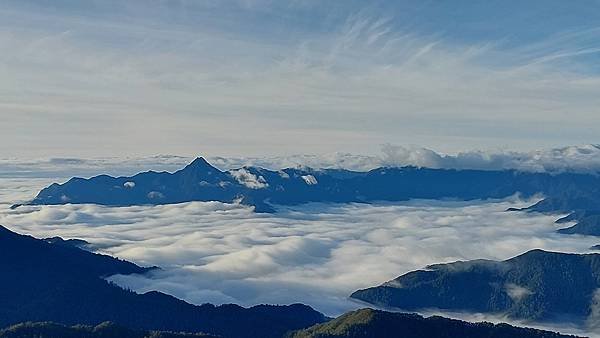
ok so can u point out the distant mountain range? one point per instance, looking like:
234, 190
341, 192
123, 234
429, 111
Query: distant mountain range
537, 285
577, 194
368, 323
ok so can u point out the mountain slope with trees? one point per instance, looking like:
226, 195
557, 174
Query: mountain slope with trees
537, 285
43, 282
103, 330
367, 323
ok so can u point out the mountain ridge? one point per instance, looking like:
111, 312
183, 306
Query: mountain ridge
577, 194
42, 281
367, 323
537, 285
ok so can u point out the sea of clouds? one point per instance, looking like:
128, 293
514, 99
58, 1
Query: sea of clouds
315, 253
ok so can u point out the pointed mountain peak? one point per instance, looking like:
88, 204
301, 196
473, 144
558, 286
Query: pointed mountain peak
200, 165
199, 161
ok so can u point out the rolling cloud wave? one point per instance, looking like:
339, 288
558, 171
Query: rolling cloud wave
316, 253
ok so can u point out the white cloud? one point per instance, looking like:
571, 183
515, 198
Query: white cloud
310, 179
155, 195
517, 293
65, 168
16, 190
314, 253
593, 321
129, 184
250, 180
584, 158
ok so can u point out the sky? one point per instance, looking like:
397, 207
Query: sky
271, 78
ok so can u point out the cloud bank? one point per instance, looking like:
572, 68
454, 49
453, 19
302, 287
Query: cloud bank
317, 254
582, 159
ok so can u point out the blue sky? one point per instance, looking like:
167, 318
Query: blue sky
258, 77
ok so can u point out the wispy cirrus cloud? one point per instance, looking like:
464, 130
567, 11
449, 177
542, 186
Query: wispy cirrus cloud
268, 78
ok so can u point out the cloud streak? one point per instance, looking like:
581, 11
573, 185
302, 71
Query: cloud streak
260, 78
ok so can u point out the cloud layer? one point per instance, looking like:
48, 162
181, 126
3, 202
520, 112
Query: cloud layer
585, 159
318, 254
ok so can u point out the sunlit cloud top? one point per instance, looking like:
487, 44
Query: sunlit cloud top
259, 77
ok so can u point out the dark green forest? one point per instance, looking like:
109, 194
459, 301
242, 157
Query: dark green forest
367, 323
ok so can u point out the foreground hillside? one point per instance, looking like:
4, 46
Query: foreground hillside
367, 323
42, 281
56, 281
104, 330
537, 285
571, 193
